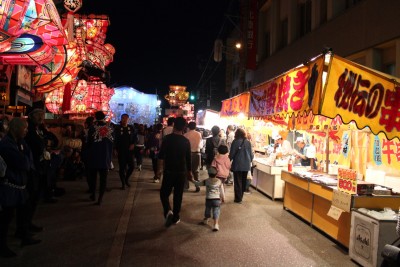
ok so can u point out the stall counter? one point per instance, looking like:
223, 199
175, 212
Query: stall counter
267, 178
312, 201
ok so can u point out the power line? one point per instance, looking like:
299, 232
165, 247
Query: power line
212, 51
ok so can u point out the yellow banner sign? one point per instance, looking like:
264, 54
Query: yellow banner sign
359, 94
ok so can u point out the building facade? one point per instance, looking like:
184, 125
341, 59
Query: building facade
290, 32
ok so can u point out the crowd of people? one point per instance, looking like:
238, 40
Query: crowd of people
33, 159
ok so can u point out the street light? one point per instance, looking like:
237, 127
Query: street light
218, 49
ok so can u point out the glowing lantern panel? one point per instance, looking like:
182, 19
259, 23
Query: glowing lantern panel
177, 95
87, 97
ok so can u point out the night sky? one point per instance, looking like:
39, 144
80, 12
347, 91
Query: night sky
159, 43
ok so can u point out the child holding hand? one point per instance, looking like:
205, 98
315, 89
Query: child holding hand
214, 196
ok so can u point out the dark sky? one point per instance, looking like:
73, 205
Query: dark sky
159, 43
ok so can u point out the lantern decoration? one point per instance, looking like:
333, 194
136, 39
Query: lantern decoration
86, 97
62, 70
100, 55
188, 111
29, 29
177, 95
54, 101
96, 51
72, 6
27, 49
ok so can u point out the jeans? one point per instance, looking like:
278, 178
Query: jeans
214, 206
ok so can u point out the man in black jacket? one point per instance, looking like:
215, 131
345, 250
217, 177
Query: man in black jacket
124, 144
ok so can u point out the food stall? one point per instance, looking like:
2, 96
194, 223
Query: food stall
266, 177
348, 112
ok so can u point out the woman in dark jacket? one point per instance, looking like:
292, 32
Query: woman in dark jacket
241, 155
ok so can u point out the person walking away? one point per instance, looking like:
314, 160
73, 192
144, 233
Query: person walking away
241, 155
84, 153
222, 163
212, 145
174, 159
250, 173
139, 146
230, 135
196, 143
125, 139
13, 192
153, 147
215, 195
100, 147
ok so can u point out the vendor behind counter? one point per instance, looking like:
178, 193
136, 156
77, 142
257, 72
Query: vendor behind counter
306, 153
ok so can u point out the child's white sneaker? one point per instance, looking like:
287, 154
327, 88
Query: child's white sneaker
216, 227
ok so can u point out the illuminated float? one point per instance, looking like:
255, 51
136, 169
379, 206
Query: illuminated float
141, 108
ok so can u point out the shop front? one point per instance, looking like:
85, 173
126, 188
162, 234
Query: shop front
349, 113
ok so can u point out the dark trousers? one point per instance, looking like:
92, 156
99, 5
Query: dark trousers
126, 165
239, 185
196, 161
139, 154
175, 181
6, 216
93, 181
154, 162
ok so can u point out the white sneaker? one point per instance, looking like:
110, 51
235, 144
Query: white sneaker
156, 180
168, 218
216, 227
139, 167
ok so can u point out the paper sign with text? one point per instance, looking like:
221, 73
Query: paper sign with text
341, 200
335, 212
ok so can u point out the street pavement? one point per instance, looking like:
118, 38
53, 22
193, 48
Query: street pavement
128, 230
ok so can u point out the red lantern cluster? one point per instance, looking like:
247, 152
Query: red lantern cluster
86, 97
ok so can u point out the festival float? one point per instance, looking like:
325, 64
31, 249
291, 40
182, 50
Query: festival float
177, 98
141, 108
